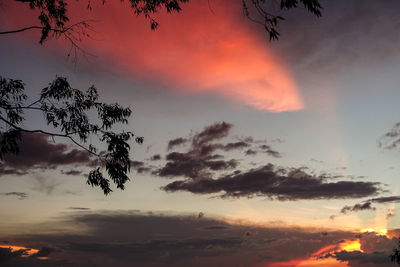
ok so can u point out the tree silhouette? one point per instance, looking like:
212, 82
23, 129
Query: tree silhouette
67, 110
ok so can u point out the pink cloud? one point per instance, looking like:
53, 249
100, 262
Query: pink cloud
195, 51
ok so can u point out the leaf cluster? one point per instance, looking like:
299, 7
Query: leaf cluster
67, 110
52, 15
258, 12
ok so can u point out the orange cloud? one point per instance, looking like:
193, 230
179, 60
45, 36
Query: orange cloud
316, 260
27, 251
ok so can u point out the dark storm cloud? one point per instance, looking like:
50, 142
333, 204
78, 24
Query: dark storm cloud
38, 152
121, 238
276, 183
358, 207
20, 195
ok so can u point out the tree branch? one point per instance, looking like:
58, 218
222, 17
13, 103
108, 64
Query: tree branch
21, 30
51, 134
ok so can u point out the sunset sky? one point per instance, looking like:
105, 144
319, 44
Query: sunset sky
255, 153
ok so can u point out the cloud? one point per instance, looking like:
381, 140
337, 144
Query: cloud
205, 170
177, 142
45, 184
195, 51
250, 152
211, 133
78, 208
20, 195
358, 207
267, 149
367, 204
385, 199
155, 157
140, 166
199, 51
44, 252
358, 258
374, 251
71, 172
276, 183
200, 160
154, 239
38, 152
391, 139
7, 254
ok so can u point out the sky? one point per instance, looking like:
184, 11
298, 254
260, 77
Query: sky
255, 153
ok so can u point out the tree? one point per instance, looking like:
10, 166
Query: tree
66, 109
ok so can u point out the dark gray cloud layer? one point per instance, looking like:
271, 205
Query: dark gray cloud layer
276, 183
150, 239
38, 152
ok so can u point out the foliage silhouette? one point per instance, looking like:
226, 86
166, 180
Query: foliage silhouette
54, 19
67, 110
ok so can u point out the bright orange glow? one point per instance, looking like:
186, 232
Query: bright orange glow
309, 262
316, 259
378, 232
351, 246
27, 251
322, 262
